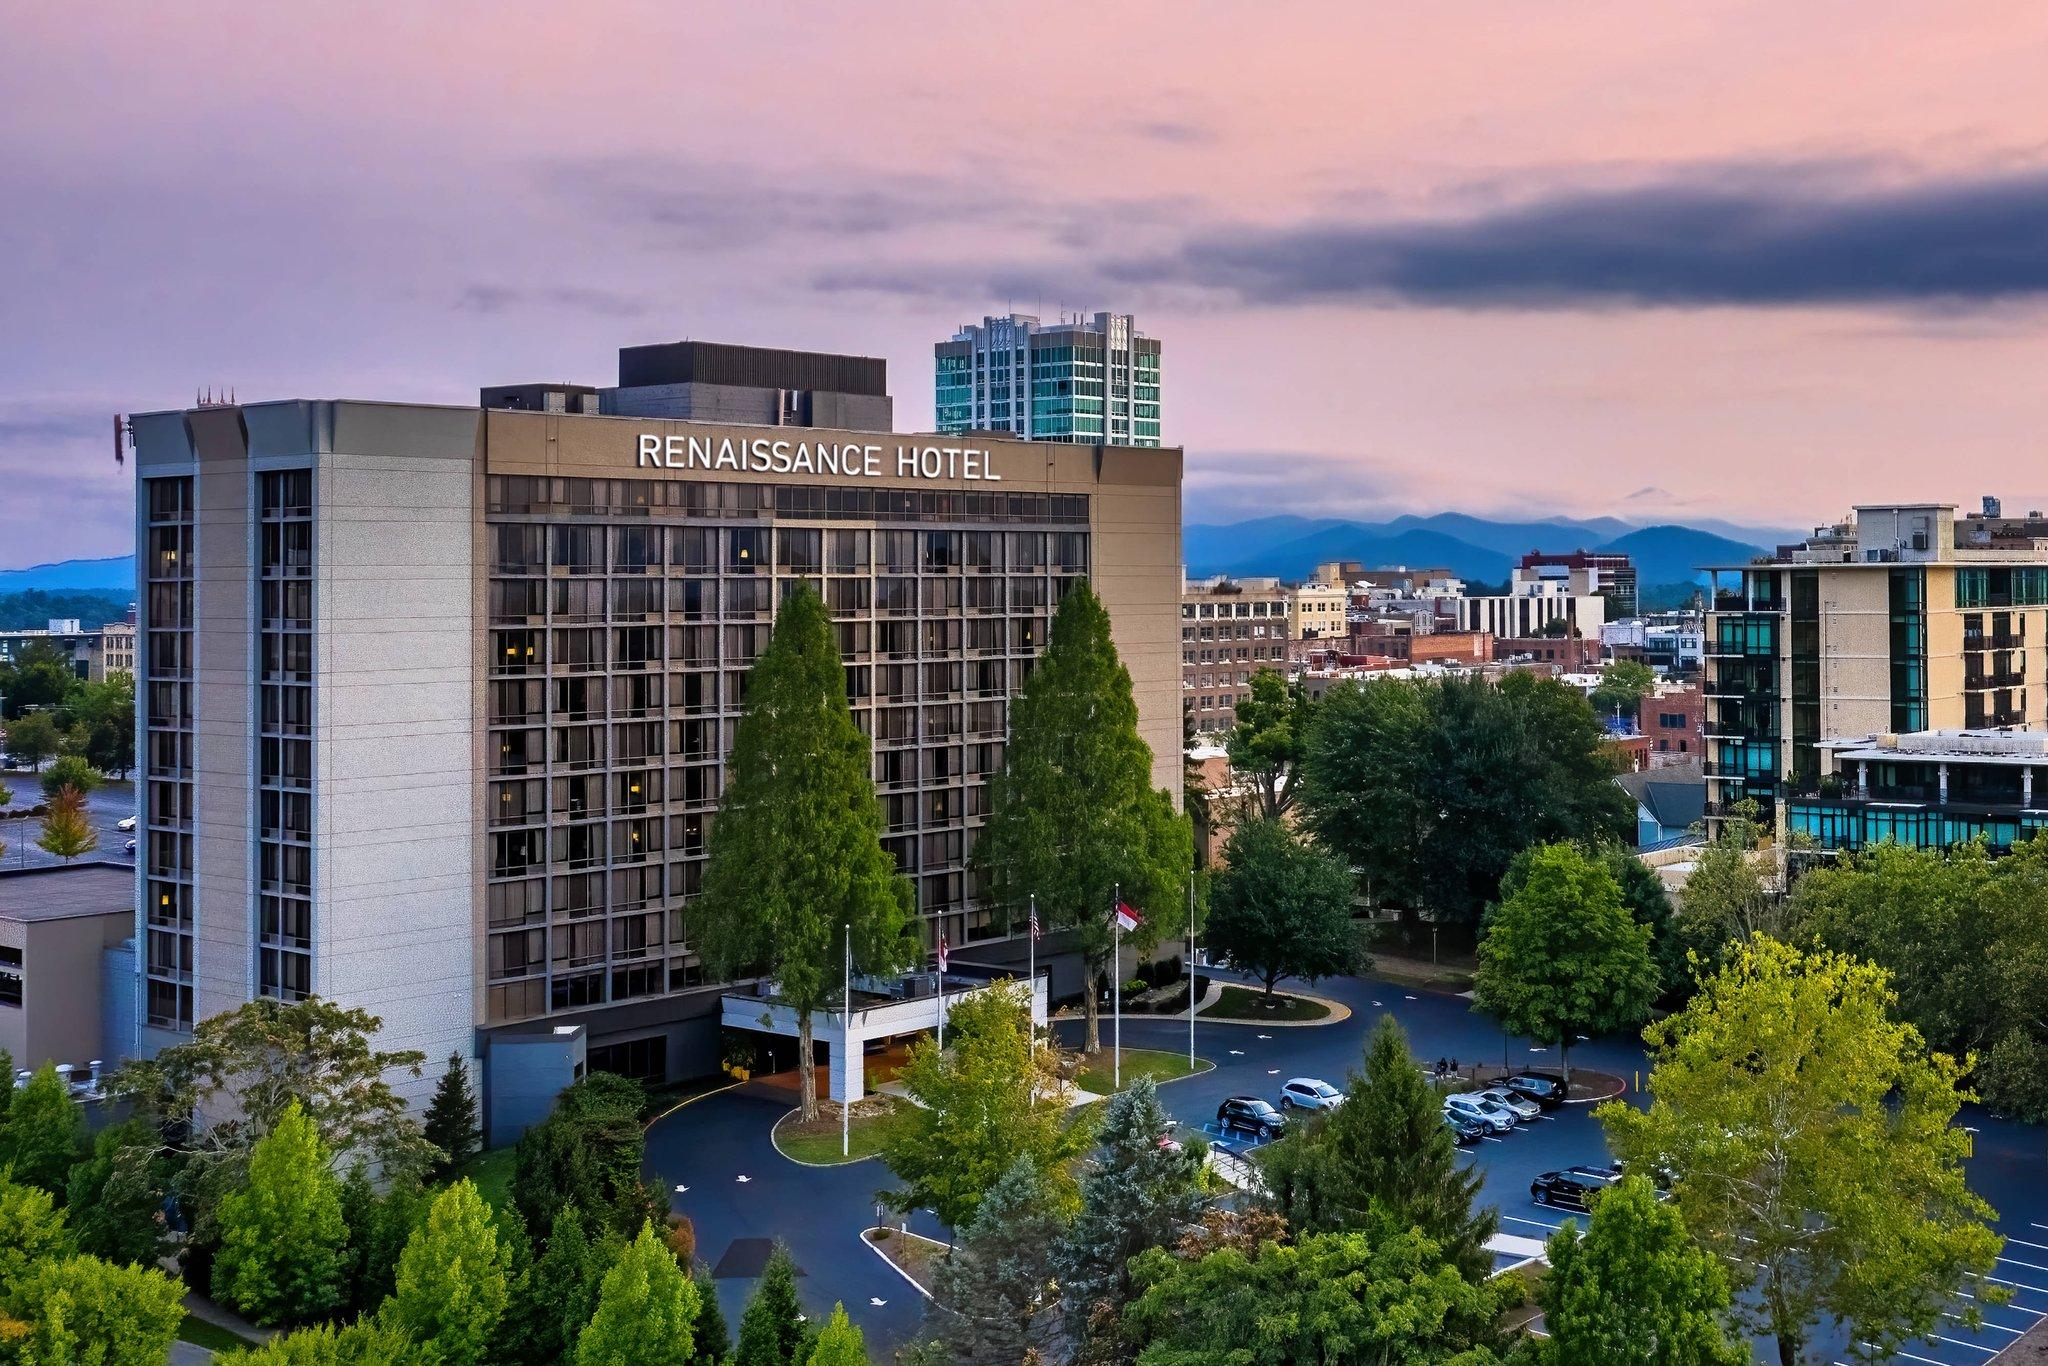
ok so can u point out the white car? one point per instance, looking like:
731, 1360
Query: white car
125, 823
1310, 1093
1480, 1110
1523, 1107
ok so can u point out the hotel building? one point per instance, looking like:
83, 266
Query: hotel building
1081, 381
437, 700
1886, 678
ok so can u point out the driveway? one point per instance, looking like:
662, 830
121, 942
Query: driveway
819, 1212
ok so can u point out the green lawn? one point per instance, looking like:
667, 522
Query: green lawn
213, 1338
818, 1142
1097, 1069
492, 1173
1249, 1003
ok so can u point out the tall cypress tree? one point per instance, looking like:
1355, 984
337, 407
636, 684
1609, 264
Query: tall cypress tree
772, 1330
796, 851
1383, 1161
451, 1117
1073, 816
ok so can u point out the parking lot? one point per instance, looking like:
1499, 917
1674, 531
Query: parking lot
709, 1146
107, 806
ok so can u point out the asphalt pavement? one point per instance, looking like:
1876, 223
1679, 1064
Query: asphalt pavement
739, 1186
107, 805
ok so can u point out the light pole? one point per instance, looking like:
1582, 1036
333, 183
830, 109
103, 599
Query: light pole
846, 1048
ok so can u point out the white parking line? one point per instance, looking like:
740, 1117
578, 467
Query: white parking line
2017, 1285
1958, 1342
2031, 1266
1513, 1219
2024, 1243
1909, 1356
2016, 1332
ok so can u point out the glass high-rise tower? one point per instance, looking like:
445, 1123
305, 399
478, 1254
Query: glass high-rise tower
1084, 381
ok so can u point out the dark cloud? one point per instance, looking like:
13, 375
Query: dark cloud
1182, 132
604, 303
27, 425
1750, 237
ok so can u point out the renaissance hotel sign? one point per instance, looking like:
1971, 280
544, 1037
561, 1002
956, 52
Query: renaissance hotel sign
847, 459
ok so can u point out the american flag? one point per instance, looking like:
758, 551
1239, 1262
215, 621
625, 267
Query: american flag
1034, 922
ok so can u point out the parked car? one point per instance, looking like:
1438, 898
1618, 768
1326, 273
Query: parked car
1573, 1188
1464, 1132
1251, 1115
129, 848
1545, 1091
125, 823
1523, 1106
1310, 1093
1479, 1109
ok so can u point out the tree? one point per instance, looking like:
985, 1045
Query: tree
81, 1309
839, 1342
67, 830
1723, 902
646, 1310
73, 772
1648, 904
1636, 1290
1431, 788
1383, 1161
32, 738
796, 851
44, 1132
1269, 738
282, 1256
1137, 1194
102, 719
772, 1331
710, 1336
452, 1283
1622, 687
451, 1116
37, 682
1810, 1135
32, 1231
1073, 817
559, 1293
379, 1227
116, 1197
365, 1342
587, 1155
1561, 957
1331, 1297
993, 1297
989, 1099
1281, 907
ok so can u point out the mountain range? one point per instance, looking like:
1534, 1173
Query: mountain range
115, 574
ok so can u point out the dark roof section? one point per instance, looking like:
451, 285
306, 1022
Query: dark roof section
759, 367
74, 889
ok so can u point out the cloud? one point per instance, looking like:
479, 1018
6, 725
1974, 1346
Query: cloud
604, 303
1752, 236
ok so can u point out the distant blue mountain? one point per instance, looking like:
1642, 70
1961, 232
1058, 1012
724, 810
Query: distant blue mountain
114, 574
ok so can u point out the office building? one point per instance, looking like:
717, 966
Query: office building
1229, 630
1845, 672
92, 652
67, 965
1537, 603
1611, 576
1319, 611
436, 700
1087, 381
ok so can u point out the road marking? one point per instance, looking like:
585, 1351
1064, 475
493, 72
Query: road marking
1987, 1351
1908, 1355
2024, 1243
876, 1301
1516, 1219
1272, 1071
2017, 1285
2016, 1332
2031, 1266
1407, 998
682, 1190
1265, 1036
1237, 1052
1376, 1003
1489, 1138
744, 1178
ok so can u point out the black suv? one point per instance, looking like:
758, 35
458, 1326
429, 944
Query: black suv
1573, 1188
1464, 1132
1545, 1091
1251, 1115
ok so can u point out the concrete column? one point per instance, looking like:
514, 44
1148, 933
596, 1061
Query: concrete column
1944, 784
1863, 778
849, 1078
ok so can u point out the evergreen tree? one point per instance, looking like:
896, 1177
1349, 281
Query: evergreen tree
713, 1340
379, 1226
44, 1132
1282, 907
67, 831
31, 1230
1137, 1194
1073, 816
646, 1310
1561, 956
1635, 1291
588, 1155
772, 1331
116, 1196
452, 1117
81, 1309
839, 1342
559, 1292
283, 1252
452, 1284
1383, 1161
993, 1296
796, 851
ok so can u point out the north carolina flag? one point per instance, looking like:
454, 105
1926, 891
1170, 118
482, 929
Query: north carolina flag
1126, 918
942, 953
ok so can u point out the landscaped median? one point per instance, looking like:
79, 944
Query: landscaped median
1249, 1005
817, 1143
1097, 1071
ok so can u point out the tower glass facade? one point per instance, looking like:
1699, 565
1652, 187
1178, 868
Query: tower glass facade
1083, 382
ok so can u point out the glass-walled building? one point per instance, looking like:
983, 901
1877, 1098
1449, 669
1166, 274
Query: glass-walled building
1085, 381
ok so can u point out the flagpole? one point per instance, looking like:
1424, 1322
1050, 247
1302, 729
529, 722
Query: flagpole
1191, 969
1031, 934
1116, 985
846, 1049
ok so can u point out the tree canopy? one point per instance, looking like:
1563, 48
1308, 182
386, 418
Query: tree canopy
454, 1281
646, 1310
1281, 907
796, 850
994, 1296
1269, 738
1810, 1136
282, 1234
1073, 816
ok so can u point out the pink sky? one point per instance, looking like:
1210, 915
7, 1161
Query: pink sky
1401, 258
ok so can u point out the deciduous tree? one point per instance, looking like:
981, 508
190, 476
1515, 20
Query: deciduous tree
1812, 1141
366, 1342
67, 830
1723, 902
32, 738
43, 1132
453, 1280
646, 1310
81, 1309
988, 1100
839, 1342
559, 1292
1561, 956
1622, 687
1268, 740
1281, 907
31, 1230
587, 1155
116, 1196
796, 850
282, 1256
71, 771
1073, 817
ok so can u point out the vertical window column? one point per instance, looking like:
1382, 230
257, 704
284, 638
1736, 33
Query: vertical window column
284, 763
166, 614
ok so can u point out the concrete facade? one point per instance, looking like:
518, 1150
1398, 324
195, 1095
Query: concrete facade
56, 924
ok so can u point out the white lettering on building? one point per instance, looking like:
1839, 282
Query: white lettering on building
850, 459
